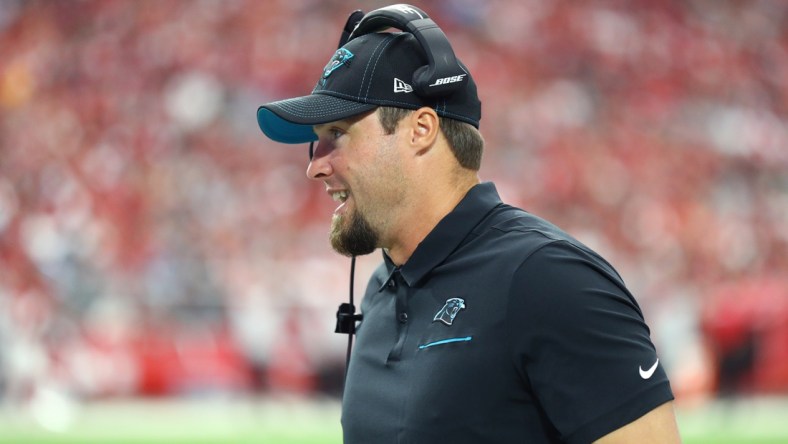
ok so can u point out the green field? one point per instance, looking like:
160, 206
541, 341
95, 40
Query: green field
292, 421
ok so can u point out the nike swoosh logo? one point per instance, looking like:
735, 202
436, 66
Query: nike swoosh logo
647, 374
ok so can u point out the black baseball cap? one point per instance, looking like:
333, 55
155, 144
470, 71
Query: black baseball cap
371, 70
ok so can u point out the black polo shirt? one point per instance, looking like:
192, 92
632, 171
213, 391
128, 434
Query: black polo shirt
500, 328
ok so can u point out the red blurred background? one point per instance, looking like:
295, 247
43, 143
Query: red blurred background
153, 242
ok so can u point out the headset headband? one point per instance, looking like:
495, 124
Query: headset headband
443, 74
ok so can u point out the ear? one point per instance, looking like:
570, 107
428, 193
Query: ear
424, 129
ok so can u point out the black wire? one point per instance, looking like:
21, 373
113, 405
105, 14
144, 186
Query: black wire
350, 335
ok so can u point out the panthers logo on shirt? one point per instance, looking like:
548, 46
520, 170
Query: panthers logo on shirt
449, 311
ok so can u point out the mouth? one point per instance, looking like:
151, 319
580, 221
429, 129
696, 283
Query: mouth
339, 196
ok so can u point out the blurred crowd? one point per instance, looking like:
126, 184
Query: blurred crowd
154, 243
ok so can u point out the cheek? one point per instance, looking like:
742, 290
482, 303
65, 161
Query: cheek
378, 178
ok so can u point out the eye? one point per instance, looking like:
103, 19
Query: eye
335, 133
329, 134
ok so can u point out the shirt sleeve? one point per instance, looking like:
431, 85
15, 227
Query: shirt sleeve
581, 343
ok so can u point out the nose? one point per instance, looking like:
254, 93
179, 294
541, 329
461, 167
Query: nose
319, 166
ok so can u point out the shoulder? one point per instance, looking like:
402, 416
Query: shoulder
520, 224
522, 235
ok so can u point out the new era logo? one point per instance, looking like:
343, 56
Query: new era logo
400, 86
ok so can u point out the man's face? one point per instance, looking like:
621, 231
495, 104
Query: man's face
362, 170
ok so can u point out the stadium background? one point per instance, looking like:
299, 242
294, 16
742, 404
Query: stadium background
164, 267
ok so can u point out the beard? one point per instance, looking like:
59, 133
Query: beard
354, 236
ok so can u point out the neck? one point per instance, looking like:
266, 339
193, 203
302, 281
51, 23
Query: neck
421, 219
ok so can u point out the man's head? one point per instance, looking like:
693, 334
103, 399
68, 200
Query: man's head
382, 141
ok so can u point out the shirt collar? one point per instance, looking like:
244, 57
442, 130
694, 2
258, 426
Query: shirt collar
447, 234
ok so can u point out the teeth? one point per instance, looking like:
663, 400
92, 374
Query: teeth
339, 196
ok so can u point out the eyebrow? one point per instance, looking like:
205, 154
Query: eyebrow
321, 126
348, 122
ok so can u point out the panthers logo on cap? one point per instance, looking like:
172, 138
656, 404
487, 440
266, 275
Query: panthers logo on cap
341, 57
449, 311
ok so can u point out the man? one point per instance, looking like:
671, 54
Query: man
484, 323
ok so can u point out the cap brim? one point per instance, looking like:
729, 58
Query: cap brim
291, 120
